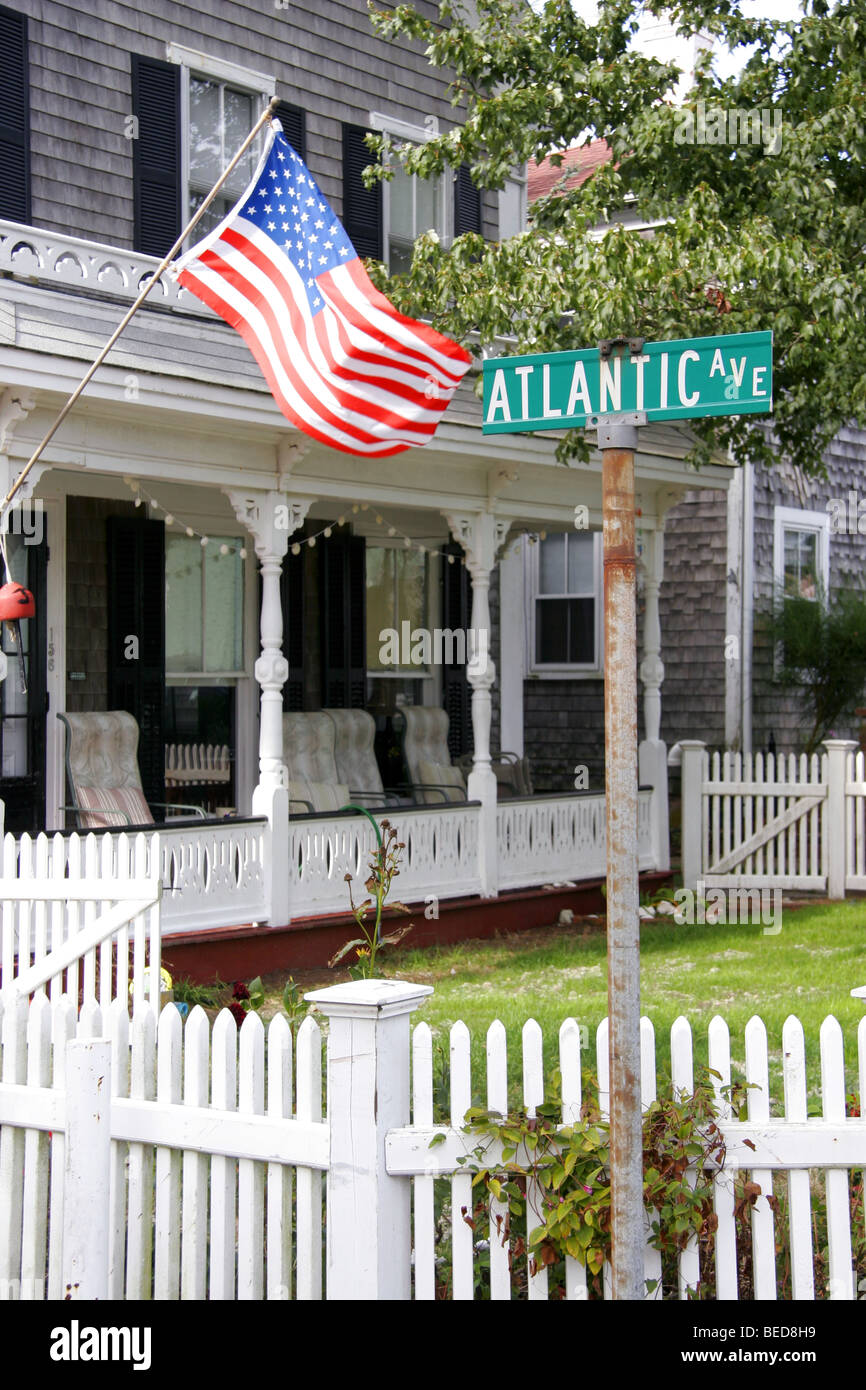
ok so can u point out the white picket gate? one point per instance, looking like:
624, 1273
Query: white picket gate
80, 914
161, 1161
788, 822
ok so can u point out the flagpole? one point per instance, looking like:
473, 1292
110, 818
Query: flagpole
161, 268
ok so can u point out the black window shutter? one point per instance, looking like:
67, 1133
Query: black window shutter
343, 615
456, 690
156, 159
292, 595
467, 203
14, 117
362, 206
294, 122
136, 608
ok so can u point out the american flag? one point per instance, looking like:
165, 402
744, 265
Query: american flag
342, 363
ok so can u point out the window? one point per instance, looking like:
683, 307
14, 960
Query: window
203, 606
14, 117
801, 553
397, 593
220, 102
410, 205
564, 576
512, 207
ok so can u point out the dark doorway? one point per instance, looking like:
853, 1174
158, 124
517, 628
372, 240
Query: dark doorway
23, 695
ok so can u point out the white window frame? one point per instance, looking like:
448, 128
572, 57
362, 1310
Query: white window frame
402, 131
192, 63
517, 183
563, 670
173, 677
420, 673
813, 523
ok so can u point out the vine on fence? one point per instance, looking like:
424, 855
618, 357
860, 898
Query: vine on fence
552, 1178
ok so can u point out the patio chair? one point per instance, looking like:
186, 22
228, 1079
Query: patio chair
354, 734
102, 768
424, 737
308, 746
513, 773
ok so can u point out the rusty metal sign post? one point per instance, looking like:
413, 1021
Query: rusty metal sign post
617, 441
676, 380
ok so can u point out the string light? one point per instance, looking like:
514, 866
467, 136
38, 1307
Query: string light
142, 497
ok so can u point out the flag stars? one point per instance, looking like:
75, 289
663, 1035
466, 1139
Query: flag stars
272, 226
284, 227
310, 202
318, 225
273, 173
267, 207
344, 250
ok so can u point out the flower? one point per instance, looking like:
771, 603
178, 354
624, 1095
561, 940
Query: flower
239, 990
238, 1013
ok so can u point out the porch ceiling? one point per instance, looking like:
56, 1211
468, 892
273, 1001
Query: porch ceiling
183, 401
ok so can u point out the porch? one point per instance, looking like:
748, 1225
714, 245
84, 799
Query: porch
179, 450
232, 874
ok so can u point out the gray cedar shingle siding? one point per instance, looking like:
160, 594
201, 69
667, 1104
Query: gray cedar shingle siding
692, 601
325, 58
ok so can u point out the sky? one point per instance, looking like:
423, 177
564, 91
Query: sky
728, 64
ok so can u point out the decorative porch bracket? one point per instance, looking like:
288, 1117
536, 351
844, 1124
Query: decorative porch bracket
15, 405
271, 518
481, 535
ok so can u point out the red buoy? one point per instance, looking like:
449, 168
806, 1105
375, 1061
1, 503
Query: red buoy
16, 602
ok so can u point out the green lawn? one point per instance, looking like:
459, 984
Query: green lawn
736, 971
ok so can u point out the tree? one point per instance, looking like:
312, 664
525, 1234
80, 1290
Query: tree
821, 646
752, 236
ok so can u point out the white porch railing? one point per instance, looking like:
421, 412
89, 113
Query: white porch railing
441, 855
212, 874
552, 839
53, 258
215, 874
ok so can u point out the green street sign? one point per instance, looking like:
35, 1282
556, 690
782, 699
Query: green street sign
730, 375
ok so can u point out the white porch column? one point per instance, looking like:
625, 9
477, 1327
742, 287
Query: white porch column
481, 534
652, 753
271, 518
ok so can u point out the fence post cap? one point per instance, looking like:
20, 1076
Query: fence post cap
859, 993
846, 744
363, 998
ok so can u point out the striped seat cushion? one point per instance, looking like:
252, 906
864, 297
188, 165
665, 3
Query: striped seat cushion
118, 806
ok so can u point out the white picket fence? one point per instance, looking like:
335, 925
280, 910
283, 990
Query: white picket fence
156, 1161
788, 822
81, 915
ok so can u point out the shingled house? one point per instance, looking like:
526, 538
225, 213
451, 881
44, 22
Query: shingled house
176, 469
